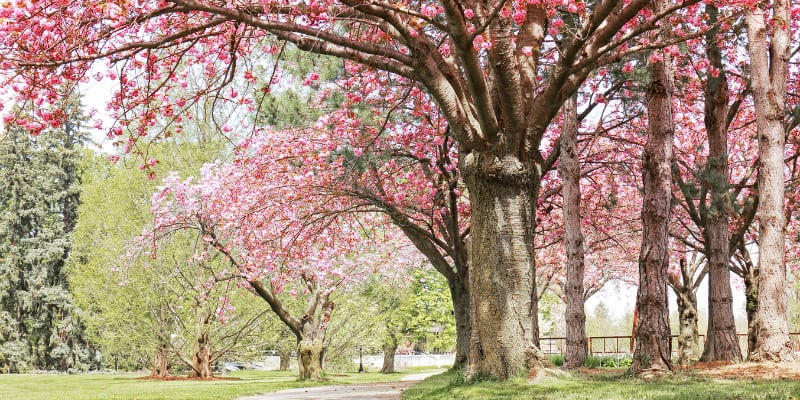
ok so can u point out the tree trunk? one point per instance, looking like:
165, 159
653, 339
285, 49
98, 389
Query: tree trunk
769, 66
309, 354
570, 172
285, 360
653, 343
722, 344
460, 297
751, 304
503, 321
201, 360
389, 348
161, 364
688, 336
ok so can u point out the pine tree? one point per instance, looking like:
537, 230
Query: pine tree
39, 196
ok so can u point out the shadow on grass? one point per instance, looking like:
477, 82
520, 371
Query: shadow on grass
605, 386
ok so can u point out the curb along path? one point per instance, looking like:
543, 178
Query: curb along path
357, 391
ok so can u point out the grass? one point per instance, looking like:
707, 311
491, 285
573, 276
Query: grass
128, 387
607, 386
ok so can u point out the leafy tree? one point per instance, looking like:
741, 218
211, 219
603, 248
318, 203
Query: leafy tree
415, 309
40, 327
149, 312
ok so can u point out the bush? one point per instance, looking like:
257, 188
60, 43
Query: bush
557, 359
615, 362
592, 362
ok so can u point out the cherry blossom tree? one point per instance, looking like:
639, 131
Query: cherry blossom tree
279, 239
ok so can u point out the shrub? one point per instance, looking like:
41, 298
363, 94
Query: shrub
607, 362
557, 359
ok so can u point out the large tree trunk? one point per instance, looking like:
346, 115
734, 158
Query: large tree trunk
653, 343
570, 173
688, 336
503, 321
460, 297
722, 343
309, 354
769, 70
161, 364
389, 347
201, 360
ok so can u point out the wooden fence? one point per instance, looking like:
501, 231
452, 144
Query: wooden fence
601, 345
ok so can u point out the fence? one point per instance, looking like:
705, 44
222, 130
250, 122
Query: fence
606, 345
404, 361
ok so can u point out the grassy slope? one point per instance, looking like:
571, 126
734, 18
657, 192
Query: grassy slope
606, 387
128, 387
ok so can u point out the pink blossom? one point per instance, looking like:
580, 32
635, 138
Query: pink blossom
527, 51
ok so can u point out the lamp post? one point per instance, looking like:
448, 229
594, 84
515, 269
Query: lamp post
360, 362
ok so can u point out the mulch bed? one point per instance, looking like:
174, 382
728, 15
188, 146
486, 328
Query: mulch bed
184, 378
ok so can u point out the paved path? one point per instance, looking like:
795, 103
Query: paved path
358, 391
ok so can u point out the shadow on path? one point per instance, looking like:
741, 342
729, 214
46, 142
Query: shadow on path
358, 391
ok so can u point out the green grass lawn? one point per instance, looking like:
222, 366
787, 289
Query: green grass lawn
128, 387
603, 387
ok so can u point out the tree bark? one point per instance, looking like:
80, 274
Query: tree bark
309, 329
568, 168
722, 344
688, 336
285, 360
201, 360
309, 354
751, 305
684, 285
653, 343
769, 68
460, 297
161, 364
503, 312
389, 347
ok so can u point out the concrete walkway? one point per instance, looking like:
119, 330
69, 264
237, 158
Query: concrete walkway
358, 391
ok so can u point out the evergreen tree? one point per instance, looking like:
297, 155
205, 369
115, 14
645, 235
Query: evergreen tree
39, 196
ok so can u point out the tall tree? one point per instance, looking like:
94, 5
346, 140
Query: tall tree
769, 61
653, 341
39, 196
721, 340
570, 173
426, 203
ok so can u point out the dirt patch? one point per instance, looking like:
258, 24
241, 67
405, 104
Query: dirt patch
183, 378
747, 370
601, 371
